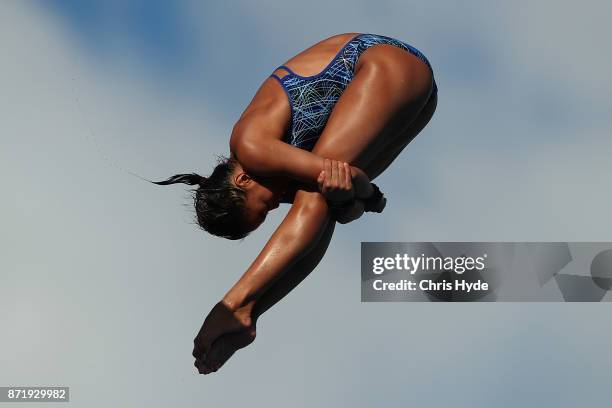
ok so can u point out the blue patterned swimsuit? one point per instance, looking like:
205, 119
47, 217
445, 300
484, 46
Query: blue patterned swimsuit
312, 98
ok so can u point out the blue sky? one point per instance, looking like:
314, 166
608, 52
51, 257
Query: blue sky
105, 280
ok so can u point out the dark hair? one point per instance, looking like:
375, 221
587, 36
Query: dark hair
219, 204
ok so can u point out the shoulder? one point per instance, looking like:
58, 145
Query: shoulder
262, 122
250, 142
238, 135
248, 130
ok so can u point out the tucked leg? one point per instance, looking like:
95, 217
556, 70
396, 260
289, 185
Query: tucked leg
394, 147
388, 91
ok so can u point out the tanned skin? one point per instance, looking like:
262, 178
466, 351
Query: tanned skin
388, 102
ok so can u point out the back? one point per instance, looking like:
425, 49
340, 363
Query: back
310, 85
269, 113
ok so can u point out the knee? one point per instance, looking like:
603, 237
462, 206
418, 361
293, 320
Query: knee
310, 204
421, 80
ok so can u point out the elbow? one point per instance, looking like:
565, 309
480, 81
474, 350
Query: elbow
249, 155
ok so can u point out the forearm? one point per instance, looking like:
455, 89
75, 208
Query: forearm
279, 159
301, 229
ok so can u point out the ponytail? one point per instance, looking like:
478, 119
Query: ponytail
218, 202
191, 179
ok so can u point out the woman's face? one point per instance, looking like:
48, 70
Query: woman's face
262, 196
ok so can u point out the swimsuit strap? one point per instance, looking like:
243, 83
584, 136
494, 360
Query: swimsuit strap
284, 68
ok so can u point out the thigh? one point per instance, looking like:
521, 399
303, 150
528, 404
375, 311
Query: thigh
389, 152
388, 91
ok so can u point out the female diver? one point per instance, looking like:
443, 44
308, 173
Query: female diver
317, 132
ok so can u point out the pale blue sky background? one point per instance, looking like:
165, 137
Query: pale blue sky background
104, 279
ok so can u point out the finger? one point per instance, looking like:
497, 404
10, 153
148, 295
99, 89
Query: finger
325, 183
328, 174
348, 178
348, 184
320, 179
334, 170
341, 175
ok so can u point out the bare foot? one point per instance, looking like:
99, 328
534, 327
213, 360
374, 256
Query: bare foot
223, 348
221, 320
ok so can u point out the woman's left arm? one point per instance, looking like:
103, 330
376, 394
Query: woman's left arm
273, 157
